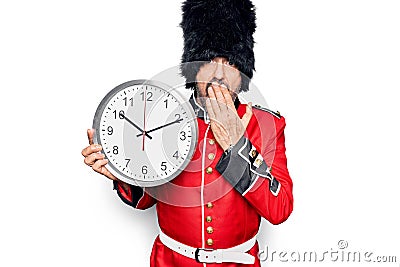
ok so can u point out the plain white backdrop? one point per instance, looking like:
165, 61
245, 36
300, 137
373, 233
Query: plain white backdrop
330, 67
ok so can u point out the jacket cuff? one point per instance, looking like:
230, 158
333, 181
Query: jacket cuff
130, 197
234, 169
259, 167
243, 165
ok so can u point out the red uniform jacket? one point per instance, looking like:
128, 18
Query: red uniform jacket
219, 199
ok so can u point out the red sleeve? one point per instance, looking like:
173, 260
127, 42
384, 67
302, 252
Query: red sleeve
135, 196
277, 207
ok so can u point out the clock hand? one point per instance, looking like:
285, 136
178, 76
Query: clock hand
137, 127
159, 127
144, 116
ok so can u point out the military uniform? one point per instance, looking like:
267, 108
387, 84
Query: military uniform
217, 202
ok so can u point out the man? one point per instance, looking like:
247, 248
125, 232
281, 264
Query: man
211, 212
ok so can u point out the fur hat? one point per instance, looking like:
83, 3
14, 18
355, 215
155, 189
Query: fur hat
214, 28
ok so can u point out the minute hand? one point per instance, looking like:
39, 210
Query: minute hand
159, 127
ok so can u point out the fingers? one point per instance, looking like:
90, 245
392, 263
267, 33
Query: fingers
220, 134
219, 96
94, 159
247, 116
226, 124
210, 109
90, 134
228, 100
99, 166
93, 148
223, 98
91, 159
214, 101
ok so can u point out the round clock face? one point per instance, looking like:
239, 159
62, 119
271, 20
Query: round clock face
147, 130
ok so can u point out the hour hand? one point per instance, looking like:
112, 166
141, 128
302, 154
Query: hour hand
137, 127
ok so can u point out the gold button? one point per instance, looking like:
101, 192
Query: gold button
209, 205
208, 219
258, 162
210, 242
253, 153
209, 170
211, 141
210, 230
211, 156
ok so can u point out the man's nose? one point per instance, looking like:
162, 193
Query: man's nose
219, 71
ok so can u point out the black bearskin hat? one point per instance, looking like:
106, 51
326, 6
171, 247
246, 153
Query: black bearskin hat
214, 28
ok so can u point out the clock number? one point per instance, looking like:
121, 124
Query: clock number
121, 114
126, 101
110, 130
144, 169
163, 166
149, 96
115, 150
183, 135
175, 155
127, 162
177, 116
166, 103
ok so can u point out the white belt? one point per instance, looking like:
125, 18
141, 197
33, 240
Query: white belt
235, 254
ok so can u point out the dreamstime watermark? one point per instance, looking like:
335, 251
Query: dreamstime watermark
339, 254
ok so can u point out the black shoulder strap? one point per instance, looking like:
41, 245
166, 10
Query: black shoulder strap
276, 114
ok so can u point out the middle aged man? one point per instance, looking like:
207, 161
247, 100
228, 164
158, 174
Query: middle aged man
210, 213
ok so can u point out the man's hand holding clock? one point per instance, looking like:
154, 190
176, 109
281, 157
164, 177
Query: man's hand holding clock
96, 160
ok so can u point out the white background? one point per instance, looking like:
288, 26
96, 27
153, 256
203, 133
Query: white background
330, 67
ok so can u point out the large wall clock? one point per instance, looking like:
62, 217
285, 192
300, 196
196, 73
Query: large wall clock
148, 132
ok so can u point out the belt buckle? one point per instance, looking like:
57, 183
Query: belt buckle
209, 259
